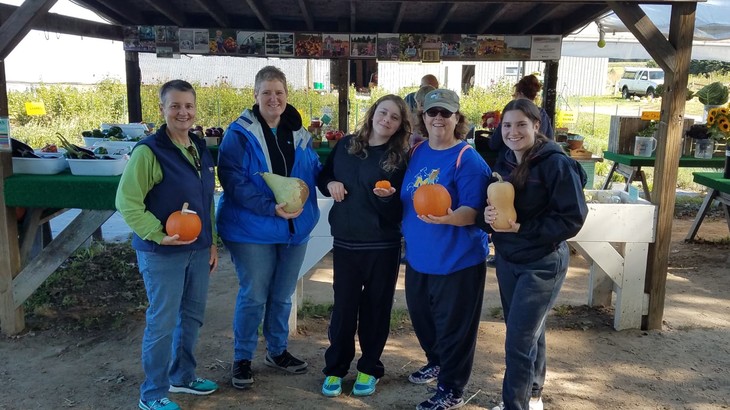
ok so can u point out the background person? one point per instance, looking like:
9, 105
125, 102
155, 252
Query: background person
267, 244
420, 96
428, 79
533, 254
445, 256
166, 170
365, 224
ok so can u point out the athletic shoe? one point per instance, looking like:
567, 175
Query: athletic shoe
364, 384
332, 386
161, 404
241, 374
200, 387
535, 404
425, 374
444, 399
286, 362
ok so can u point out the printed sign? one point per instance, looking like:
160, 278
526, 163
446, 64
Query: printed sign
650, 115
35, 108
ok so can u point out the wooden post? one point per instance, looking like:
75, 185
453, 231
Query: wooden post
12, 320
681, 31
134, 86
550, 89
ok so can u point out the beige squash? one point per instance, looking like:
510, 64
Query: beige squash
501, 195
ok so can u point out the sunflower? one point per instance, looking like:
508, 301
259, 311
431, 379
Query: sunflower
718, 123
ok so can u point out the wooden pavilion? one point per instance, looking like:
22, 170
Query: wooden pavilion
516, 17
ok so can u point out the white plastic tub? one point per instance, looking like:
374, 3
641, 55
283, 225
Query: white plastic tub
50, 164
98, 167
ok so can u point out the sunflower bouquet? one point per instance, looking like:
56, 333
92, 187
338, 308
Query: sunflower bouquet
718, 123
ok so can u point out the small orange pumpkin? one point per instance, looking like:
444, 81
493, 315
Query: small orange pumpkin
432, 199
384, 184
185, 223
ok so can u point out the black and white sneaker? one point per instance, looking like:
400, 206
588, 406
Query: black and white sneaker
241, 374
286, 362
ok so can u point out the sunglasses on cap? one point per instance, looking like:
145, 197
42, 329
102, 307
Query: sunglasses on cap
432, 112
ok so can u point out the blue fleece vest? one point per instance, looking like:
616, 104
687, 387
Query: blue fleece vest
180, 183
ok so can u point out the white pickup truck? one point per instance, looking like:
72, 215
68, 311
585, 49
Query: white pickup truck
640, 81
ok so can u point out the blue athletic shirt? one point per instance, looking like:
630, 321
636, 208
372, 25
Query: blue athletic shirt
444, 249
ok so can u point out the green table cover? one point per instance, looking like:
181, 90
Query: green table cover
712, 180
61, 191
684, 162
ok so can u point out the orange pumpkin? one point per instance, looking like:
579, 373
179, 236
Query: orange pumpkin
431, 199
383, 184
185, 223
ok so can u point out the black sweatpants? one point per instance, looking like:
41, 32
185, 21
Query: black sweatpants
445, 312
364, 284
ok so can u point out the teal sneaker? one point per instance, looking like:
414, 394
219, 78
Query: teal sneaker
161, 404
199, 387
364, 384
332, 386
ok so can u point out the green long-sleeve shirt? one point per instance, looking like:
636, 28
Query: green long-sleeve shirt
142, 173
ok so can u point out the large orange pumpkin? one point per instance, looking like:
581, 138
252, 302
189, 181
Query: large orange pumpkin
432, 199
185, 223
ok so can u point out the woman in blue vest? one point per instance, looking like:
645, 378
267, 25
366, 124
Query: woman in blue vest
267, 243
166, 170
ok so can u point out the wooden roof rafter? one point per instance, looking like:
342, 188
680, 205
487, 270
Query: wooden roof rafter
495, 12
57, 23
446, 12
399, 16
589, 12
258, 11
175, 15
538, 14
114, 14
353, 16
214, 9
306, 14
14, 29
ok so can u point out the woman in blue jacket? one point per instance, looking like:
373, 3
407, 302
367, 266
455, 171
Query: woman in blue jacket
267, 243
533, 254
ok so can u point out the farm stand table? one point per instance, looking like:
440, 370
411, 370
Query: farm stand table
43, 195
719, 189
629, 166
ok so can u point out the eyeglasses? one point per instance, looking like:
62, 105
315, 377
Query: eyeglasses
432, 112
196, 159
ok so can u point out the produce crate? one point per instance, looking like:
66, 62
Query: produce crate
623, 130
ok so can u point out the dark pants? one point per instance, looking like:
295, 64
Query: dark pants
445, 312
364, 283
528, 292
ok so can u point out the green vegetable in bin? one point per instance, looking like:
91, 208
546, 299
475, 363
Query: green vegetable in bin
97, 134
73, 151
87, 134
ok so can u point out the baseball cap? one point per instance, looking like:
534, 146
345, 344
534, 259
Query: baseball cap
442, 98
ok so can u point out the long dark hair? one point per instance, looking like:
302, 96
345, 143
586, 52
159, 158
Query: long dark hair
522, 171
395, 155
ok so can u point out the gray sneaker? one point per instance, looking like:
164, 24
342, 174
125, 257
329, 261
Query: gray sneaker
425, 374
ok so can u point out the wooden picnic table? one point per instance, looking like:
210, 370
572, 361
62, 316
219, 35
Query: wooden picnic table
719, 189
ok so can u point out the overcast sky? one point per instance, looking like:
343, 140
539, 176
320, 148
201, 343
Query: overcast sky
52, 57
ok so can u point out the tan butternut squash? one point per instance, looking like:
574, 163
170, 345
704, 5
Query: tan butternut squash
501, 195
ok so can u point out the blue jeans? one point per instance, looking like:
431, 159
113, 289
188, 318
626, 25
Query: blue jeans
528, 292
177, 290
267, 279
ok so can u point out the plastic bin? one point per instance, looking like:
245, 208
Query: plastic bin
98, 167
50, 164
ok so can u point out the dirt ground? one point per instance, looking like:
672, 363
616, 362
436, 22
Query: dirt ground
686, 365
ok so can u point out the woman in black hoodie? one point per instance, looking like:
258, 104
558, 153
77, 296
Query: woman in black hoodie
365, 223
533, 254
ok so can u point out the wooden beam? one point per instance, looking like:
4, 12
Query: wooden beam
399, 16
353, 20
12, 320
38, 270
647, 33
587, 13
492, 15
134, 86
14, 29
174, 14
109, 14
214, 9
131, 15
260, 14
535, 16
57, 23
444, 16
681, 33
306, 15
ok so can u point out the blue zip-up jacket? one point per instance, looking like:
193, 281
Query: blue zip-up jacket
180, 183
246, 210
550, 207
